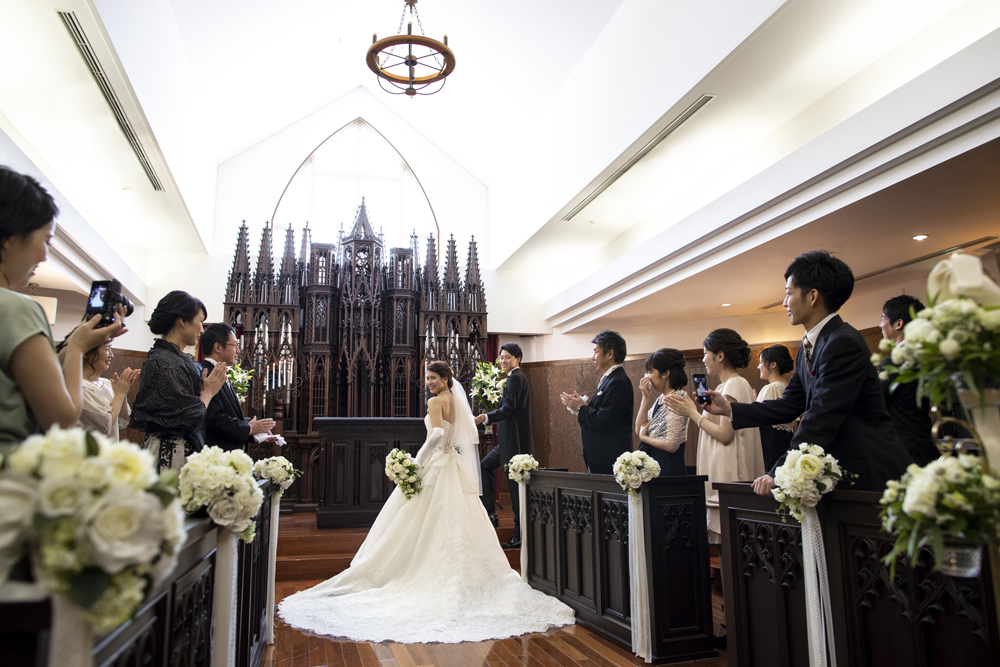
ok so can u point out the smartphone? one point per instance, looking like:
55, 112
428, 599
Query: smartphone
701, 387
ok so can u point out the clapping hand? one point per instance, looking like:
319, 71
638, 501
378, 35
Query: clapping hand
212, 382
572, 401
122, 384
261, 425
681, 404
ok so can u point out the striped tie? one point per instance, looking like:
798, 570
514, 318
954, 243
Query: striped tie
809, 353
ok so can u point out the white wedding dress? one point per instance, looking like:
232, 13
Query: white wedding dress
430, 570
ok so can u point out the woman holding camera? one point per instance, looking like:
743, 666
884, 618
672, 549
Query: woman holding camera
724, 454
663, 432
37, 388
173, 394
775, 366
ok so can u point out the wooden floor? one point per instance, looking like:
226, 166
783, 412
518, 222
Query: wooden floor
307, 556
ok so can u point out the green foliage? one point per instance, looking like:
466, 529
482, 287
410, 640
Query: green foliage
487, 386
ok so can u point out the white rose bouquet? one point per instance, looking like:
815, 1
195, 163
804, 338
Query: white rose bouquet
520, 466
633, 469
240, 379
949, 497
222, 482
404, 472
953, 338
487, 386
807, 474
279, 470
93, 518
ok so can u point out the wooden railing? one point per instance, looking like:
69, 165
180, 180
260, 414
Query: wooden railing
174, 627
919, 617
577, 531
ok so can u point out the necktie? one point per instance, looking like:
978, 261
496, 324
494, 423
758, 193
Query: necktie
809, 354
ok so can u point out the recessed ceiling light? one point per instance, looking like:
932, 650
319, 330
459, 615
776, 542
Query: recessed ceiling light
727, 304
125, 187
590, 222
920, 237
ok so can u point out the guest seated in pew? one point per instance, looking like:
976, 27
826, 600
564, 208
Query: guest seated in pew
776, 367
663, 432
38, 389
723, 454
225, 425
606, 419
835, 383
173, 391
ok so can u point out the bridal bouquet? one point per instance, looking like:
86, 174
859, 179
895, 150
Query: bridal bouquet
240, 380
93, 518
632, 469
807, 474
520, 466
222, 481
949, 497
487, 386
279, 470
401, 469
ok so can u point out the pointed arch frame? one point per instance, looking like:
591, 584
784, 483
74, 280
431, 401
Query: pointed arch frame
356, 121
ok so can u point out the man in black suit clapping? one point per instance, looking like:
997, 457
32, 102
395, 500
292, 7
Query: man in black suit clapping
835, 383
606, 419
225, 425
513, 419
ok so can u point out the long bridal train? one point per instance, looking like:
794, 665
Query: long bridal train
430, 570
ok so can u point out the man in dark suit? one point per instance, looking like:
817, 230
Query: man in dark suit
225, 425
513, 420
911, 420
835, 383
606, 419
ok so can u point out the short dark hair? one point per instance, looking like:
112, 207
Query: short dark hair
731, 344
668, 360
830, 276
24, 205
176, 305
513, 349
778, 354
613, 341
898, 308
215, 333
442, 370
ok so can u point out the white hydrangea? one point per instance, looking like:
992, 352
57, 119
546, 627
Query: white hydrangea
222, 481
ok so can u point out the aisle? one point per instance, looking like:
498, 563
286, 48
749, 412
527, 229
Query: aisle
307, 556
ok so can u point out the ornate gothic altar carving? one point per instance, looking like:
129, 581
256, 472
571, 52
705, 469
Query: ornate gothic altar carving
343, 330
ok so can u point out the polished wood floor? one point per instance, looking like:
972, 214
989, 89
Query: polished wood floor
308, 556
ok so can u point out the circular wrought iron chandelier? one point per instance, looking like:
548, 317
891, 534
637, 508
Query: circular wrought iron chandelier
410, 63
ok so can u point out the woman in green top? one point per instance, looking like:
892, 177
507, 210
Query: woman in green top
37, 388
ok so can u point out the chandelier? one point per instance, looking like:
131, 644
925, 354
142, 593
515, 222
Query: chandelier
410, 63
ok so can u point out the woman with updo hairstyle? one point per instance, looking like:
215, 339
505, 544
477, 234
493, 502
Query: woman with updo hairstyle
725, 455
663, 432
173, 394
776, 367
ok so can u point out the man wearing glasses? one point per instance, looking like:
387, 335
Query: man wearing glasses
225, 425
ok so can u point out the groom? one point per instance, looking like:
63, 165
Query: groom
513, 436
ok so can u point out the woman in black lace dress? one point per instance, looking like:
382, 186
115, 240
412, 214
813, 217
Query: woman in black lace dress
173, 394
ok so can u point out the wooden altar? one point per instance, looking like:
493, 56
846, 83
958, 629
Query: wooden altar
577, 529
352, 462
918, 618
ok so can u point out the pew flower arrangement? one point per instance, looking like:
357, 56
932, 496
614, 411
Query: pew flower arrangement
487, 386
240, 379
949, 497
96, 522
520, 466
807, 474
223, 482
278, 470
404, 472
633, 469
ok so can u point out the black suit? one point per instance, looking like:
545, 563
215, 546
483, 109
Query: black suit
845, 413
606, 423
513, 420
225, 425
911, 420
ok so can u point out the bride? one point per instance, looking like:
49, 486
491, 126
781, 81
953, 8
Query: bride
431, 568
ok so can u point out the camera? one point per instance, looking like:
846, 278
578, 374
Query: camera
105, 297
701, 388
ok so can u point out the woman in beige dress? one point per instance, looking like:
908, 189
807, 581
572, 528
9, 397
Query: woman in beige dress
724, 455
